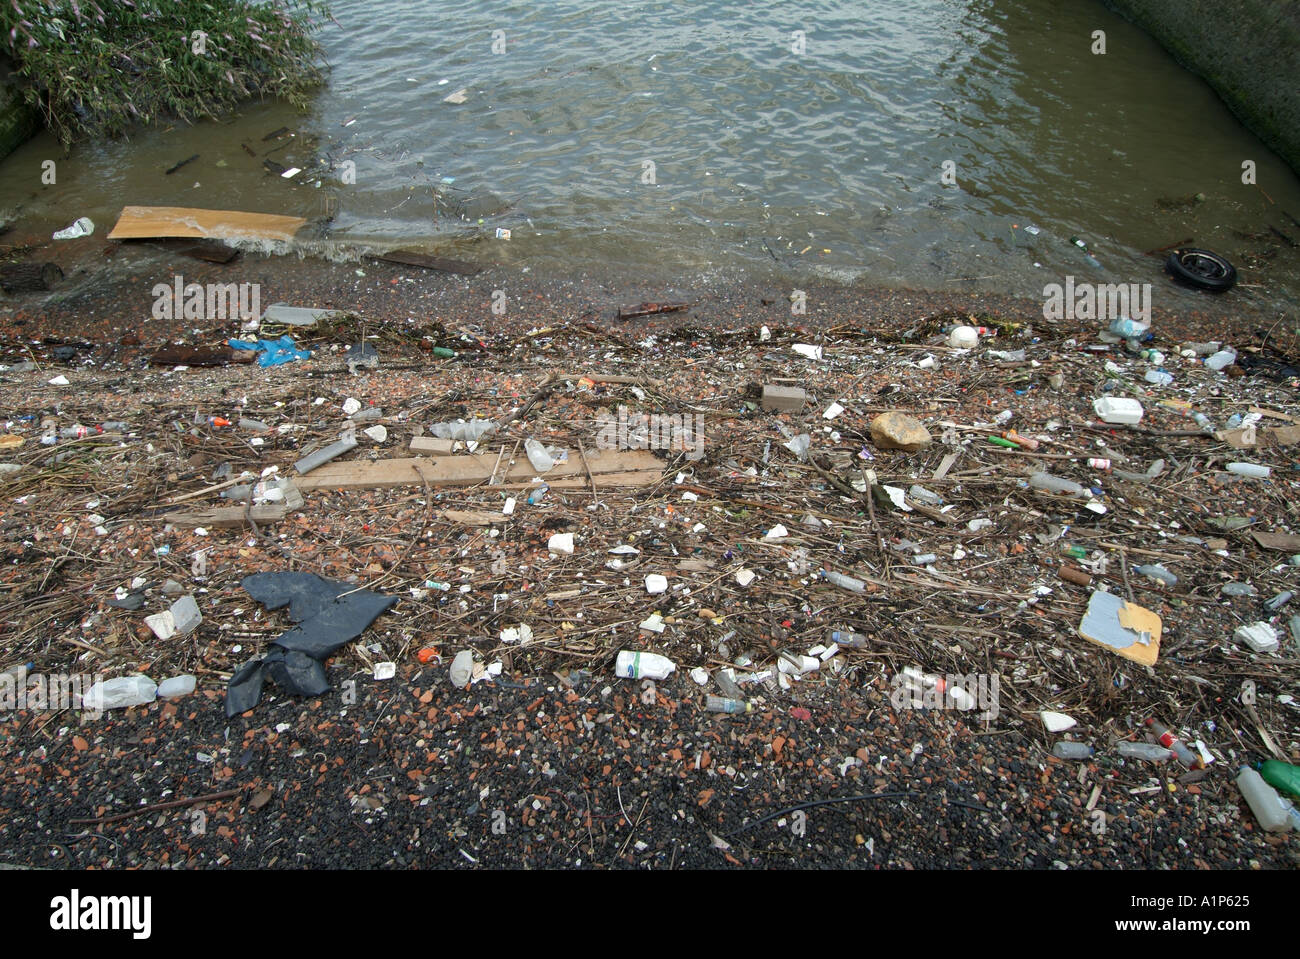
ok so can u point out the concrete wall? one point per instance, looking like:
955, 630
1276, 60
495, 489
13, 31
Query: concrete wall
1247, 50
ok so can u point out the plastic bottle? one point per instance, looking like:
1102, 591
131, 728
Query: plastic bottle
633, 665
845, 582
1098, 463
1024, 441
255, 426
1263, 800
1152, 356
535, 495
367, 414
922, 495
1158, 377
1158, 573
213, 422
1203, 422
114, 426
465, 432
1220, 359
1055, 484
853, 640
721, 704
1253, 470
1123, 326
77, 432
1067, 750
1151, 752
1280, 600
917, 681
1180, 748
1281, 776
1075, 552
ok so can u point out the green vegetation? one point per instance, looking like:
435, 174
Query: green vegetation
96, 67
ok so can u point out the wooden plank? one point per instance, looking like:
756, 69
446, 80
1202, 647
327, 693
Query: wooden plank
626, 468
227, 517
441, 263
431, 444
152, 222
473, 517
1286, 542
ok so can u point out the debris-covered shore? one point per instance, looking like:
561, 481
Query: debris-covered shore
753, 529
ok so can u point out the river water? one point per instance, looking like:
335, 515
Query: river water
672, 139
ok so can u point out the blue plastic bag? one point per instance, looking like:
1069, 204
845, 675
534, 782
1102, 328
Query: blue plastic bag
274, 352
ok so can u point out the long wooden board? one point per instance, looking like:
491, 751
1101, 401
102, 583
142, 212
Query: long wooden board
624, 468
152, 222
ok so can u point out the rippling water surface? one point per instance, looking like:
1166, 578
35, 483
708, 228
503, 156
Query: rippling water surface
827, 161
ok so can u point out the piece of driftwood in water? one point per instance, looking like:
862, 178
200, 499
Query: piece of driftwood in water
649, 309
176, 166
442, 263
29, 277
152, 222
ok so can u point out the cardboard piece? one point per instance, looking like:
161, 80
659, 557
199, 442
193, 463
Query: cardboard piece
1257, 438
1124, 628
227, 517
153, 222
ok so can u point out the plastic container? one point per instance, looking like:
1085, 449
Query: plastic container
1118, 409
1263, 800
465, 432
963, 338
1152, 356
1252, 470
632, 665
1150, 752
1281, 776
721, 704
1065, 750
853, 640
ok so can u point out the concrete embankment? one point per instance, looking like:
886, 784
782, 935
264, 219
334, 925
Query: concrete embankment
1247, 50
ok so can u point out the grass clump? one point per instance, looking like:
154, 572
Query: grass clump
96, 68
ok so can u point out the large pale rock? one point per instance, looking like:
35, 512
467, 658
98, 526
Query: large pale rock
898, 431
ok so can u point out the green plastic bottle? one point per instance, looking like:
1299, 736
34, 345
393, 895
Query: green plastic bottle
1280, 775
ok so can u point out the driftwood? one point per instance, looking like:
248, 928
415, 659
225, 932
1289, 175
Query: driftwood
29, 277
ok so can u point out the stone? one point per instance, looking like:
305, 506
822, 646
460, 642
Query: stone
898, 431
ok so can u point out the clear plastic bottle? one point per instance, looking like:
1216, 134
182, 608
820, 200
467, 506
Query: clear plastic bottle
722, 704
1151, 752
1180, 748
1158, 377
1158, 573
1263, 800
1067, 750
853, 640
1220, 360
844, 582
1280, 600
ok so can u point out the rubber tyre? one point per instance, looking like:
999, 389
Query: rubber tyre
1202, 269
